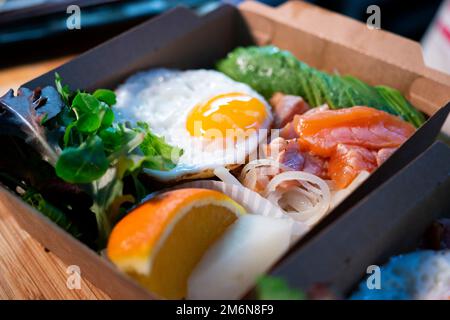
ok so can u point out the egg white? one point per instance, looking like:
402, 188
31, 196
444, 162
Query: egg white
163, 98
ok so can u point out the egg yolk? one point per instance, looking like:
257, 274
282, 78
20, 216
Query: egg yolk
225, 113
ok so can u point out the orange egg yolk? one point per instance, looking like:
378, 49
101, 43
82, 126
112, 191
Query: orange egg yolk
225, 114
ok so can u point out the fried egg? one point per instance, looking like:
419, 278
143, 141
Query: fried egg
214, 119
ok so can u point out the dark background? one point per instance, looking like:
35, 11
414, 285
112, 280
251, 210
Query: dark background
38, 33
407, 18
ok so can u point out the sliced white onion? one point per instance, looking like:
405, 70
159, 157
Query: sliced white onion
274, 197
225, 175
292, 200
310, 195
275, 165
250, 179
299, 199
308, 202
259, 172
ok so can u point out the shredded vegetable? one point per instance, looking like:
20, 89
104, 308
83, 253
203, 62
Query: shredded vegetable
308, 200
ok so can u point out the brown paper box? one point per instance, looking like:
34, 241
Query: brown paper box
180, 39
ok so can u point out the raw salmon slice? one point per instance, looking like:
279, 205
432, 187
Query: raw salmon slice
321, 132
348, 161
285, 107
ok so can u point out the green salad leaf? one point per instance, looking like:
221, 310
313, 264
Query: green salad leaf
83, 164
89, 122
99, 153
276, 288
24, 172
92, 162
63, 90
37, 201
106, 96
269, 70
85, 103
159, 155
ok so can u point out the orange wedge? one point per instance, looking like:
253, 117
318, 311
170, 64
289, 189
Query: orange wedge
160, 242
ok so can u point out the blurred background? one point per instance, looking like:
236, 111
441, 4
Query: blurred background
34, 36
39, 26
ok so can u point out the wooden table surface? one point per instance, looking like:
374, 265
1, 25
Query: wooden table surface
27, 270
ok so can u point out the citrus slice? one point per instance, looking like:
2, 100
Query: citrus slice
160, 242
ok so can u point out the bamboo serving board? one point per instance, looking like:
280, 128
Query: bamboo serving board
27, 269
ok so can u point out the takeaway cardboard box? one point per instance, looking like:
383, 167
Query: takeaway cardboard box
181, 39
389, 222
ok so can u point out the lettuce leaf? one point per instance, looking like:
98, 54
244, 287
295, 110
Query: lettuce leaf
25, 114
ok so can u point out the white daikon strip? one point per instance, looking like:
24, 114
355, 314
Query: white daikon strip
232, 265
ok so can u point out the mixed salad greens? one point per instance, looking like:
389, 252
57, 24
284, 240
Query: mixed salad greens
68, 158
269, 70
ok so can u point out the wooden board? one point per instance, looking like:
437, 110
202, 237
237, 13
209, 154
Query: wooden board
13, 77
27, 269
